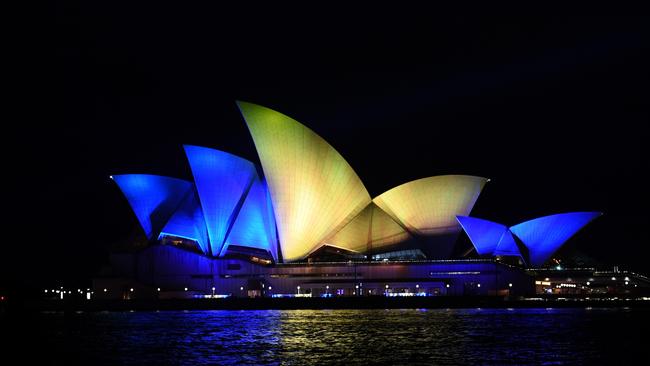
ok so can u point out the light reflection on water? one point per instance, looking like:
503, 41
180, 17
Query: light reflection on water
416, 336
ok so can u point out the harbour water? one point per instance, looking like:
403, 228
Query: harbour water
351, 337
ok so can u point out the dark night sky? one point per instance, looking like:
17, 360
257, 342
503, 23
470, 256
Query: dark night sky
553, 110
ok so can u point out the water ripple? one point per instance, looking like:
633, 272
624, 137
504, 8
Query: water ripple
350, 337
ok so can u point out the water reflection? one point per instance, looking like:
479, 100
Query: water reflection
295, 337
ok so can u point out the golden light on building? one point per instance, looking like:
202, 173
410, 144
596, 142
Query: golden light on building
314, 190
371, 229
429, 206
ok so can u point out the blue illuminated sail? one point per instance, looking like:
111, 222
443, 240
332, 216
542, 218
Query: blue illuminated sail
188, 222
153, 198
544, 235
255, 225
222, 181
484, 234
507, 245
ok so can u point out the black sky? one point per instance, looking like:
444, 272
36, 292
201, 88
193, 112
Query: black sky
554, 110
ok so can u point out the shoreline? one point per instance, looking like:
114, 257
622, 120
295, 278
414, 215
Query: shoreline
378, 302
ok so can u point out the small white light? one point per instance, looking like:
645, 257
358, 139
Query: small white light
588, 283
387, 286
185, 288
510, 285
213, 288
242, 288
270, 288
417, 286
627, 278
45, 291
327, 287
447, 285
131, 289
357, 286
626, 283
479, 285
105, 290
613, 278
158, 289
110, 176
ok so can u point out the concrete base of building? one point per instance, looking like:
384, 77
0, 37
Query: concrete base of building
166, 272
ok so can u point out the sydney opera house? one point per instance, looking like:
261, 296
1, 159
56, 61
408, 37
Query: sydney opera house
303, 224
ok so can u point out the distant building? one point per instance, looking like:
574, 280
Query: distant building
305, 225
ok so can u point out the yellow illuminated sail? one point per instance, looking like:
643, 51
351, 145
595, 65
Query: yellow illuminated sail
369, 230
314, 191
430, 205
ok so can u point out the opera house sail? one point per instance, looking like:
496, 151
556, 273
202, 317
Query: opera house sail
369, 231
540, 237
313, 189
223, 181
153, 198
430, 205
428, 208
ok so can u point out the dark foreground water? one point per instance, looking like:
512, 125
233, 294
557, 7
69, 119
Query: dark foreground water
351, 337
